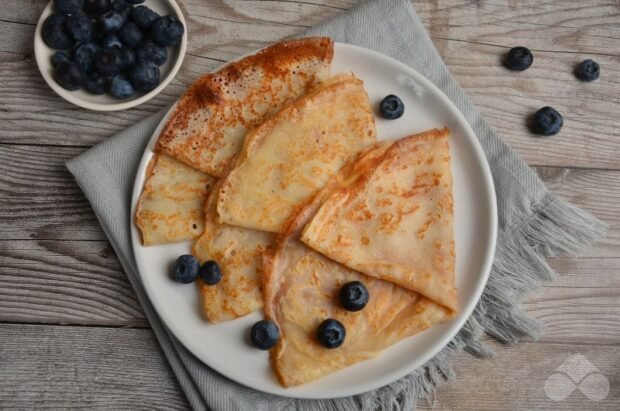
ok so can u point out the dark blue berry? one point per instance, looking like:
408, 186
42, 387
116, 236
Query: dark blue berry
111, 21
167, 31
96, 6
154, 52
391, 107
123, 8
95, 83
210, 272
130, 34
111, 41
135, 1
60, 56
588, 70
108, 62
145, 75
55, 34
264, 334
144, 17
68, 6
84, 55
354, 296
547, 121
186, 267
518, 59
80, 27
69, 75
331, 333
128, 57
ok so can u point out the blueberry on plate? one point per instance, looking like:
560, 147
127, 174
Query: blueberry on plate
122, 8
518, 59
331, 333
167, 31
392, 107
54, 32
354, 296
186, 267
96, 6
111, 21
588, 70
211, 273
84, 55
264, 334
80, 27
128, 57
69, 75
130, 34
95, 83
111, 41
154, 52
144, 17
135, 1
547, 121
68, 6
145, 75
60, 56
108, 62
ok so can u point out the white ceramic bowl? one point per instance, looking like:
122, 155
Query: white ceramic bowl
43, 54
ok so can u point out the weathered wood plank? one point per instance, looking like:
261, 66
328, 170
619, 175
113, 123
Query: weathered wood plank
83, 367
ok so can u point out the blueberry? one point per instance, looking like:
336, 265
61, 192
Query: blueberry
60, 56
69, 75
518, 59
135, 1
154, 52
264, 334
167, 31
391, 107
354, 296
128, 57
54, 32
80, 27
211, 273
96, 6
588, 70
97, 33
186, 267
131, 34
144, 17
547, 121
84, 55
108, 62
68, 6
111, 21
145, 75
111, 41
122, 8
331, 333
95, 83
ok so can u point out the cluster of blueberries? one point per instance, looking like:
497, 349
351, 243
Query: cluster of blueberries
548, 121
265, 334
109, 45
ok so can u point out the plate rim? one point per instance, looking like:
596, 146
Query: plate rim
457, 323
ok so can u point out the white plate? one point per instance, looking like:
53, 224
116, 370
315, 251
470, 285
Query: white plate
224, 347
43, 54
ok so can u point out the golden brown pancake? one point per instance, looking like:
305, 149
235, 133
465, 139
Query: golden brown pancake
238, 251
170, 208
394, 220
292, 155
210, 121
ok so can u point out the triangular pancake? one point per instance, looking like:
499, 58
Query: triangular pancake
170, 208
238, 251
395, 220
287, 159
212, 118
301, 289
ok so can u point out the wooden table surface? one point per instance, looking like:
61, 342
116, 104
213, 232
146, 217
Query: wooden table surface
71, 330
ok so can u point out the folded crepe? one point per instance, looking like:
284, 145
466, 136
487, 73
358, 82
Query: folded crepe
301, 290
238, 251
393, 218
170, 208
210, 121
292, 155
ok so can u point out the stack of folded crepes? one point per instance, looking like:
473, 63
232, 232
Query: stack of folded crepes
274, 168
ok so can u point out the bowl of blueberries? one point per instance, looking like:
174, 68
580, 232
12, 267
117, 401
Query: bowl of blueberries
110, 55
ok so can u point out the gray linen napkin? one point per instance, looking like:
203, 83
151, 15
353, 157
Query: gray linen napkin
533, 223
